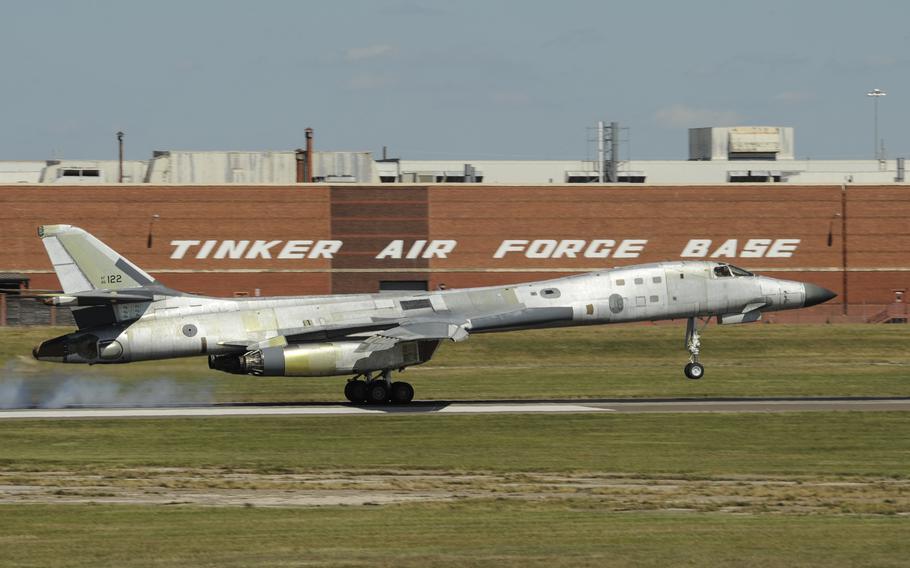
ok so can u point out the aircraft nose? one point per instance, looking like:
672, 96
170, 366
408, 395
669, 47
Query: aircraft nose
817, 295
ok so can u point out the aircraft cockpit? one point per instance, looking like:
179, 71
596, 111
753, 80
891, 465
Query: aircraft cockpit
729, 271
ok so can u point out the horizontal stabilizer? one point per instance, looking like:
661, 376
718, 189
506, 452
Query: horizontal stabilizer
96, 298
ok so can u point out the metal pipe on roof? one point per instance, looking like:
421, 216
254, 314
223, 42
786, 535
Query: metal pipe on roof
308, 175
300, 157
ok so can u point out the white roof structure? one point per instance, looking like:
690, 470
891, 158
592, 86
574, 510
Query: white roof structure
717, 155
686, 172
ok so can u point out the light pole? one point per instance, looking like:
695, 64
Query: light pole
120, 148
876, 94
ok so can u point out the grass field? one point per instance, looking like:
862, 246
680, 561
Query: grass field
800, 489
459, 534
829, 443
788, 489
607, 361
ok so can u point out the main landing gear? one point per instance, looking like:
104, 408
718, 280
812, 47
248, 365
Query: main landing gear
694, 370
380, 390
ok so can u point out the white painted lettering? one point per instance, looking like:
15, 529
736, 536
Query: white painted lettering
325, 249
181, 247
599, 248
568, 248
231, 249
260, 249
508, 246
783, 248
439, 249
541, 248
630, 248
295, 249
696, 248
755, 248
392, 250
728, 249
205, 249
414, 251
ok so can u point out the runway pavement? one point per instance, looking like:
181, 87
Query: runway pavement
477, 407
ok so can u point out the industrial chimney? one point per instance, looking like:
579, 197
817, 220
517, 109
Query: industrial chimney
304, 159
308, 174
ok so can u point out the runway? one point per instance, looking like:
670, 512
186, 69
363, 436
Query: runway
750, 405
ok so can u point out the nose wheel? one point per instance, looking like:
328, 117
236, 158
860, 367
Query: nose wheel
694, 370
380, 390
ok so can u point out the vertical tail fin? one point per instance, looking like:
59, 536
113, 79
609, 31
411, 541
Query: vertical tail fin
83, 263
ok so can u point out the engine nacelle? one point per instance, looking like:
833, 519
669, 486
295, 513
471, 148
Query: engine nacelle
323, 359
102, 345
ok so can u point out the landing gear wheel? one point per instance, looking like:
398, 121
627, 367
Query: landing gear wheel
377, 392
355, 391
401, 393
695, 371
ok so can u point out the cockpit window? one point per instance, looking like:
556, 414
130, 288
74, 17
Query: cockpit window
728, 270
722, 271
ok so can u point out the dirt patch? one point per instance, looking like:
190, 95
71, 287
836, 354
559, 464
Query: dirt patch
223, 488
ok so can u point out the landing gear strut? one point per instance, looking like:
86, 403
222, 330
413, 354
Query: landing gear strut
379, 390
694, 370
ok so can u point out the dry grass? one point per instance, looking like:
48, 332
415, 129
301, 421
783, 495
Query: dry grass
837, 495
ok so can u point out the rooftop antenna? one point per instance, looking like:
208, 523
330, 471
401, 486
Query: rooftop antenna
607, 152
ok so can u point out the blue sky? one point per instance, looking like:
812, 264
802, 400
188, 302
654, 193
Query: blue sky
467, 80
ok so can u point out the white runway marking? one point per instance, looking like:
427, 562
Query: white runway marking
327, 410
488, 407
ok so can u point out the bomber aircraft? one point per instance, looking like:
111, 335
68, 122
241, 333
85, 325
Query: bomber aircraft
124, 315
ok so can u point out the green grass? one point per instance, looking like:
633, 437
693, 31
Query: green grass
835, 443
605, 361
486, 533
869, 452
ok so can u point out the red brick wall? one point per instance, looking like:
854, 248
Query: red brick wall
478, 217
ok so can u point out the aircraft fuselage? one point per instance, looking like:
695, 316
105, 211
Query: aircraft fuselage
183, 326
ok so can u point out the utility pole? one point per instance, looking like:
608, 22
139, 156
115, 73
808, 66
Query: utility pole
120, 146
614, 152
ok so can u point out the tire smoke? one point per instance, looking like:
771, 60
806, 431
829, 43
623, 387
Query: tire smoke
27, 390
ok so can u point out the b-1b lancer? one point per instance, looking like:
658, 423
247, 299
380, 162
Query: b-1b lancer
124, 315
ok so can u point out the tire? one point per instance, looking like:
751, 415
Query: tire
356, 391
401, 393
695, 371
377, 392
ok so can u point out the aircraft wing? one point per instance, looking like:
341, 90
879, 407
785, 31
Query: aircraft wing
337, 331
375, 336
414, 331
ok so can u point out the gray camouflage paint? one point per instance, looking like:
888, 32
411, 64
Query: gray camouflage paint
357, 333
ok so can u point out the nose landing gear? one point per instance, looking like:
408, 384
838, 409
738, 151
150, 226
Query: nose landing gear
694, 370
